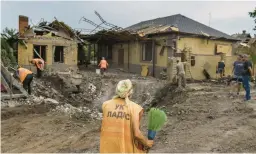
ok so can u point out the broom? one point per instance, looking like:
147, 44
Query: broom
157, 119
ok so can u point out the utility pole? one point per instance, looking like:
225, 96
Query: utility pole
210, 16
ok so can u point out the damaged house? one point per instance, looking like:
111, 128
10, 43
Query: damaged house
244, 37
153, 43
54, 42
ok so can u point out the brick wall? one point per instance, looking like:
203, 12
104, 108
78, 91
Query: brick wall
23, 23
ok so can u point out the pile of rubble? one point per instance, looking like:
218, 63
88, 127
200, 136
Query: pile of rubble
60, 88
85, 102
64, 97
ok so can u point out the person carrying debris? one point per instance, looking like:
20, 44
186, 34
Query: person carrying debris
220, 69
39, 63
25, 76
181, 74
238, 67
247, 73
103, 65
120, 130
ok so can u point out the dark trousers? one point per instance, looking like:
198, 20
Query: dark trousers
27, 83
39, 72
102, 71
246, 85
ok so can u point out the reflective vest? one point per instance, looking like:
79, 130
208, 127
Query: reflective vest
36, 62
116, 132
23, 73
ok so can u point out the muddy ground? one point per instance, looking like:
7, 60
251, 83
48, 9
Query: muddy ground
204, 118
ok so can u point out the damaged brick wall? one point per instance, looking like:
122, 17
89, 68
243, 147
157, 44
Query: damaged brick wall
70, 52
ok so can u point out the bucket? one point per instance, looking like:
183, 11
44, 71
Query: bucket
97, 71
76, 79
151, 134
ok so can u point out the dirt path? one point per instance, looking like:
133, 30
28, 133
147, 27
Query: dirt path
208, 123
203, 119
47, 132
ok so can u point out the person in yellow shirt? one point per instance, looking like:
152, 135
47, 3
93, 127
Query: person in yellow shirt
120, 129
103, 65
25, 76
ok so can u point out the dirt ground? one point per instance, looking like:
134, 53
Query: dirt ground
204, 118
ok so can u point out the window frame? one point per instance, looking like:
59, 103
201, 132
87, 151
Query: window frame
144, 52
63, 61
192, 60
40, 51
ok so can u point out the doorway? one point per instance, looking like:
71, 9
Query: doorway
121, 57
59, 54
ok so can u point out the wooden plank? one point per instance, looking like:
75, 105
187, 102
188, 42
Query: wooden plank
7, 96
6, 86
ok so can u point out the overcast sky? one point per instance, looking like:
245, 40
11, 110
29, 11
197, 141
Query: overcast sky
228, 17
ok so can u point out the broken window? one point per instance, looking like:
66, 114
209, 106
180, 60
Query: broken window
147, 54
193, 61
41, 50
59, 54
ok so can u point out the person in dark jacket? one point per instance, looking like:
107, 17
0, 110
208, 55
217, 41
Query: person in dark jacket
221, 68
247, 75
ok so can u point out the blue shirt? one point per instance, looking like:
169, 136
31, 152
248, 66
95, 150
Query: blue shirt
238, 68
221, 65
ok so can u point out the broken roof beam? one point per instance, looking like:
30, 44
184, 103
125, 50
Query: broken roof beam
92, 23
106, 23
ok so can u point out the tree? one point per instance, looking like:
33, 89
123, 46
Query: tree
253, 15
7, 56
11, 36
9, 40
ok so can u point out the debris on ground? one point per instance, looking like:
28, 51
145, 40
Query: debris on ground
202, 118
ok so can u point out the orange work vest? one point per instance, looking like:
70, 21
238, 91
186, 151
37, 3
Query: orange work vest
116, 132
103, 64
23, 73
36, 62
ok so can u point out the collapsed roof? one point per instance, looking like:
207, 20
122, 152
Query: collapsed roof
55, 28
112, 36
108, 33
